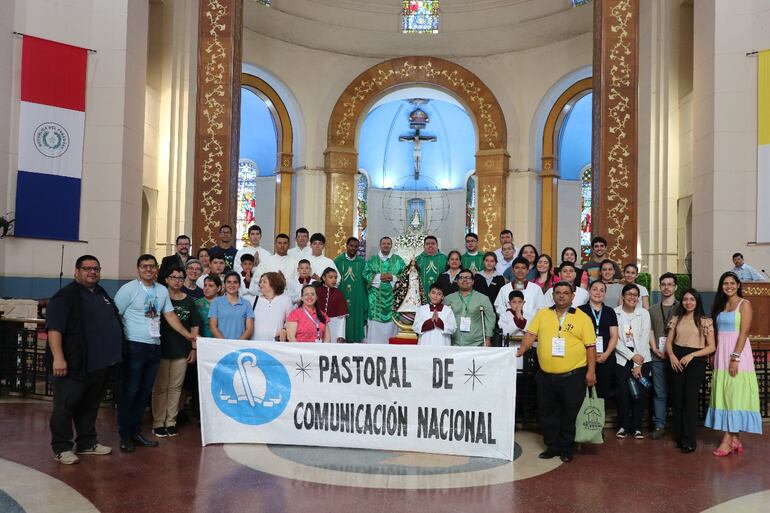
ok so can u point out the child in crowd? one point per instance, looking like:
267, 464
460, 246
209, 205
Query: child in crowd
513, 322
249, 286
332, 304
303, 278
435, 322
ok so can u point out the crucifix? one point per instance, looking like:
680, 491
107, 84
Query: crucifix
417, 120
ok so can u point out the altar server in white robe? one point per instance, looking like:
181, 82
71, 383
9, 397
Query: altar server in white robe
318, 262
435, 322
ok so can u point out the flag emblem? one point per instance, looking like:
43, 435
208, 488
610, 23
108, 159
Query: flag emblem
51, 139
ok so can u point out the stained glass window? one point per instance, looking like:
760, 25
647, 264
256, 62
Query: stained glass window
470, 206
247, 208
578, 3
266, 3
362, 193
586, 181
419, 16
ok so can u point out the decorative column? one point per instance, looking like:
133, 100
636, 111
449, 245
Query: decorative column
340, 166
217, 126
549, 206
616, 57
283, 194
491, 171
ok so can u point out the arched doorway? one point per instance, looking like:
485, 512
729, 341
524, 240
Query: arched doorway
550, 174
341, 157
265, 102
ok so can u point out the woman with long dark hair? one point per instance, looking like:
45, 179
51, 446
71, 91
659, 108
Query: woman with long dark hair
690, 340
734, 403
489, 281
307, 323
545, 277
447, 279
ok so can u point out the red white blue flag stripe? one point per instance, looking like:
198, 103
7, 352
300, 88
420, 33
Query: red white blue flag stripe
51, 126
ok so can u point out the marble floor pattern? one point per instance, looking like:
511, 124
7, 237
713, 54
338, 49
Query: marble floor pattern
181, 476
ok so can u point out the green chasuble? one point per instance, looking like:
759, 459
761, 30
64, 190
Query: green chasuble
470, 306
474, 263
351, 283
381, 298
430, 268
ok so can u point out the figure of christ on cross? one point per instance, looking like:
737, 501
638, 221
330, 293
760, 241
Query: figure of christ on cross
417, 139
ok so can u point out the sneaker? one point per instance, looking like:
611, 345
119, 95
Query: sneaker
621, 433
67, 458
638, 435
658, 433
172, 431
98, 450
160, 432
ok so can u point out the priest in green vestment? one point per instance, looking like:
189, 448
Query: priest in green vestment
380, 274
473, 311
431, 262
472, 259
351, 283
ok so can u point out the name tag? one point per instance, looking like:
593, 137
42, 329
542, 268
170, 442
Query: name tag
154, 325
662, 344
465, 324
558, 347
599, 345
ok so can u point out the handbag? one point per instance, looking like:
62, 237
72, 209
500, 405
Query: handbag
590, 419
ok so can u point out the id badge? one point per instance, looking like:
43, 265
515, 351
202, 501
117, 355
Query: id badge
465, 324
154, 324
662, 344
558, 347
599, 345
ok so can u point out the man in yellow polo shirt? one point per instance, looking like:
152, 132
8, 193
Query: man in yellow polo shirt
566, 353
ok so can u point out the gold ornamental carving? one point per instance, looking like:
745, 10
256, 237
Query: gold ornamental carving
750, 290
489, 214
342, 210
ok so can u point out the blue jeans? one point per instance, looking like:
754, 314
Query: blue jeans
139, 369
660, 383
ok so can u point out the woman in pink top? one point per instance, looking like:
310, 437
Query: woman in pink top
307, 323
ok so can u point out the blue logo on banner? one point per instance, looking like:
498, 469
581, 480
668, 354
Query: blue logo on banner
250, 386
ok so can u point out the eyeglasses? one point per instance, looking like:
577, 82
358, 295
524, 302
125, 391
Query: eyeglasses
176, 278
90, 268
631, 294
465, 277
147, 267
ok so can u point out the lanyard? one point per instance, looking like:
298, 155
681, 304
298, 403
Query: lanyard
598, 318
314, 321
670, 314
561, 320
150, 298
466, 302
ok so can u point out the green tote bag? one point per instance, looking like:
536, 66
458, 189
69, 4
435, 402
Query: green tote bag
590, 419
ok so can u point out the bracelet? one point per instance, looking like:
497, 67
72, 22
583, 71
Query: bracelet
735, 359
735, 355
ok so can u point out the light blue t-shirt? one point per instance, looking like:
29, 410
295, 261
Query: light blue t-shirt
138, 304
231, 318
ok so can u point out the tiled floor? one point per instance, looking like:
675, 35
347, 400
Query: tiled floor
621, 475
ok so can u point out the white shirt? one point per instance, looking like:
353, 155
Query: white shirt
581, 297
534, 299
633, 335
277, 263
435, 337
499, 253
270, 317
294, 290
298, 254
263, 254
508, 325
503, 265
318, 264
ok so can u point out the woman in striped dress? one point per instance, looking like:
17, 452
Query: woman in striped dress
734, 391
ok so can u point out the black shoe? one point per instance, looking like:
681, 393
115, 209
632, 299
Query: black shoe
160, 432
686, 449
548, 454
140, 440
566, 457
127, 445
172, 431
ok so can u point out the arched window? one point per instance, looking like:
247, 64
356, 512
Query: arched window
419, 16
248, 171
470, 206
362, 193
586, 186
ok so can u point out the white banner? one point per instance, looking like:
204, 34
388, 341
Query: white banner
448, 400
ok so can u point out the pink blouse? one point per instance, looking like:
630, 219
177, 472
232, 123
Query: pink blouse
306, 325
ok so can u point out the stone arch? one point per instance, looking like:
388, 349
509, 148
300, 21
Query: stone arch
549, 175
341, 157
285, 150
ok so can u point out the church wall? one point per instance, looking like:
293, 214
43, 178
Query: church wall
7, 52
112, 161
519, 80
724, 135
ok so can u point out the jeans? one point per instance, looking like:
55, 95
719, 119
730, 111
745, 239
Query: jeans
76, 401
660, 369
138, 376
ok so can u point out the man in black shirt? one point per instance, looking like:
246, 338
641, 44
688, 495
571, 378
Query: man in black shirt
225, 248
177, 259
85, 340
